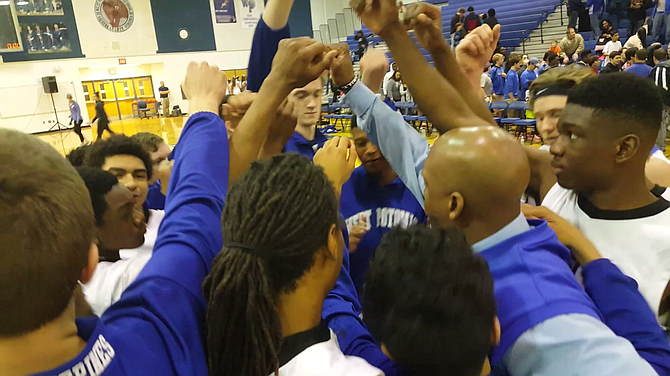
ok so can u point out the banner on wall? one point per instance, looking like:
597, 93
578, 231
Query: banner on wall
225, 11
250, 12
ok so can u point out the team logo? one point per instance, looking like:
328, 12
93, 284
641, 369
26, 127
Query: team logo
115, 15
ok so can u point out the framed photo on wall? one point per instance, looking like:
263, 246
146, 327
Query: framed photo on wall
39, 7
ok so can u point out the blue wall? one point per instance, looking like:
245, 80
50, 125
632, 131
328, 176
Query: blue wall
300, 20
172, 15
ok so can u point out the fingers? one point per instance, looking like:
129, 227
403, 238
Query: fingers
537, 212
352, 156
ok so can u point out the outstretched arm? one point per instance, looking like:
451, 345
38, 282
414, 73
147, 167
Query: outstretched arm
463, 68
277, 13
441, 101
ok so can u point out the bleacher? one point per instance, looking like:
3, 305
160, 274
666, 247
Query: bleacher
518, 18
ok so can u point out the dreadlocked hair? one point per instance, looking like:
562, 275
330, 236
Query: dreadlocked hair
277, 217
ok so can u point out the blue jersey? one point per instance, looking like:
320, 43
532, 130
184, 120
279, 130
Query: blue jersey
156, 326
155, 198
299, 144
497, 80
512, 85
527, 78
382, 208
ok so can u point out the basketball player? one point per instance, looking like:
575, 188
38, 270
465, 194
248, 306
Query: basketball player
132, 166
483, 146
159, 151
549, 96
118, 226
101, 116
271, 29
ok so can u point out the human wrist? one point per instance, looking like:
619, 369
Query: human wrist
392, 31
279, 83
585, 252
204, 105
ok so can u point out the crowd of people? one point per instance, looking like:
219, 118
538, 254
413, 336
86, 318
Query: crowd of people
462, 24
256, 246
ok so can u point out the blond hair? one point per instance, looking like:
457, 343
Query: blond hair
573, 74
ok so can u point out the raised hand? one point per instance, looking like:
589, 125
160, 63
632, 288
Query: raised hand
425, 19
583, 250
341, 68
374, 66
377, 15
300, 61
204, 86
338, 159
281, 130
237, 106
356, 234
476, 49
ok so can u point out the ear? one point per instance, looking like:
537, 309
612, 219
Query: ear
456, 203
628, 146
89, 269
335, 242
495, 336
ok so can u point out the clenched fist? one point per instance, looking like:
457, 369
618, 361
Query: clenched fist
378, 15
341, 69
300, 61
205, 87
338, 159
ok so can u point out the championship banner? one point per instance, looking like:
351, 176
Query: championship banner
250, 12
225, 11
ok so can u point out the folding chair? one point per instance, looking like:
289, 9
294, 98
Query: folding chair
499, 106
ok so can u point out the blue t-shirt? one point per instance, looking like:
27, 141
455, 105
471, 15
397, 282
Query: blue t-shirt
382, 208
299, 144
640, 69
497, 80
512, 85
527, 78
155, 198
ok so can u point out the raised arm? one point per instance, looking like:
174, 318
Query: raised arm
425, 20
271, 29
402, 146
439, 100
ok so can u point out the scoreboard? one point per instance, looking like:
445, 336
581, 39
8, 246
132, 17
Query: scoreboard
10, 36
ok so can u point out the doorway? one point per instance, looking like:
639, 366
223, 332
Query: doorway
119, 95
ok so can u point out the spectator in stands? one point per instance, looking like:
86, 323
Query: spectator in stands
528, 76
486, 85
640, 66
583, 56
612, 46
551, 60
572, 44
593, 63
605, 35
362, 43
458, 17
457, 35
637, 12
472, 20
574, 7
393, 87
596, 10
629, 57
498, 76
389, 75
512, 85
661, 76
614, 63
617, 11
491, 20
659, 21
639, 40
555, 47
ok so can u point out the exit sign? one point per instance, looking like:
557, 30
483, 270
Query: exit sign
122, 61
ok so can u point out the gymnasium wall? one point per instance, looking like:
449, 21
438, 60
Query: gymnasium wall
151, 44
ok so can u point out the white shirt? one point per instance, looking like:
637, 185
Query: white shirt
110, 280
154, 222
387, 78
609, 48
326, 359
636, 241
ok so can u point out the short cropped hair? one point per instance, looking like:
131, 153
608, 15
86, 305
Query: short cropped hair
660, 54
46, 229
614, 54
149, 141
99, 183
567, 76
492, 12
471, 9
117, 145
630, 53
77, 157
498, 57
624, 99
461, 10
641, 55
429, 299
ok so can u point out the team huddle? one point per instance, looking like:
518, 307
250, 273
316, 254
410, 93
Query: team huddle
257, 247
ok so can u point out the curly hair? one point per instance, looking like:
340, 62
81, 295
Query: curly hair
117, 145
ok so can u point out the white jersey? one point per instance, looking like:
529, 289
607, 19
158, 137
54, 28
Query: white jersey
637, 241
318, 353
110, 280
154, 222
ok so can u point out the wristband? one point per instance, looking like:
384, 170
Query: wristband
346, 88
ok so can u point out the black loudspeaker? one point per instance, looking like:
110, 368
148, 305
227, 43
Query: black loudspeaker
50, 84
